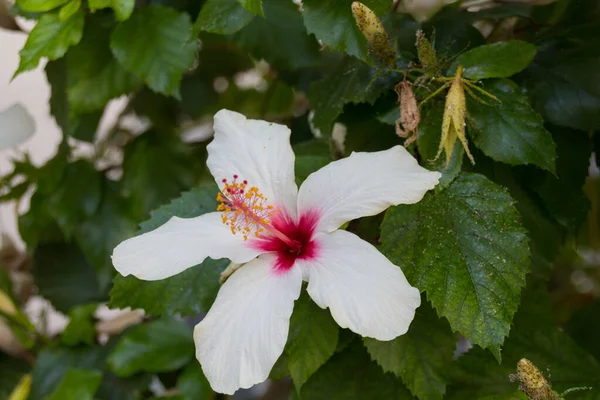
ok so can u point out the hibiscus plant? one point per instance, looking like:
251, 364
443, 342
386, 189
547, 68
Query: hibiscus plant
249, 200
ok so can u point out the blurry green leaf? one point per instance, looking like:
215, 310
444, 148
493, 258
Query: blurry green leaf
69, 9
280, 37
53, 364
156, 44
453, 32
584, 328
332, 22
428, 142
192, 383
56, 74
365, 133
63, 276
40, 5
306, 165
465, 247
50, 38
156, 168
159, 346
123, 8
77, 384
101, 233
496, 60
351, 82
254, 6
115, 388
11, 371
81, 326
187, 293
77, 197
563, 195
510, 131
95, 77
312, 339
222, 16
533, 336
351, 375
422, 357
561, 83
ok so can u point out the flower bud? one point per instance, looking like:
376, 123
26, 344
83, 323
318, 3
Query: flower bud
373, 30
453, 123
427, 56
410, 116
532, 382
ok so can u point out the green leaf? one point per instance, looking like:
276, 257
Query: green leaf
223, 17
332, 22
77, 384
280, 37
496, 60
101, 233
351, 82
156, 168
81, 327
50, 38
254, 6
40, 5
422, 357
53, 364
563, 194
77, 197
306, 165
122, 8
351, 375
510, 131
477, 374
156, 44
560, 83
312, 340
466, 248
159, 346
187, 293
192, 383
56, 74
95, 76
63, 276
69, 9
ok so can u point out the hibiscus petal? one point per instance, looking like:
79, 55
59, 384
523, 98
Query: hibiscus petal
246, 329
179, 244
16, 126
256, 151
364, 184
363, 290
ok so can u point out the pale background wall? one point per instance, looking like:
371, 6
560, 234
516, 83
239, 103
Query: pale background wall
32, 91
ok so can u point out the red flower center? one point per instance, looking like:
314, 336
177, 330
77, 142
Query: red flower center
290, 240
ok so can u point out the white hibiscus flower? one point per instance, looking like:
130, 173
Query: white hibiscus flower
284, 236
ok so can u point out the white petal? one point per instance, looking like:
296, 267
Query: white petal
364, 184
245, 331
256, 151
363, 290
179, 244
16, 126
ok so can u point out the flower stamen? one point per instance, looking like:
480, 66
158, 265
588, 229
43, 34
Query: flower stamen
245, 209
